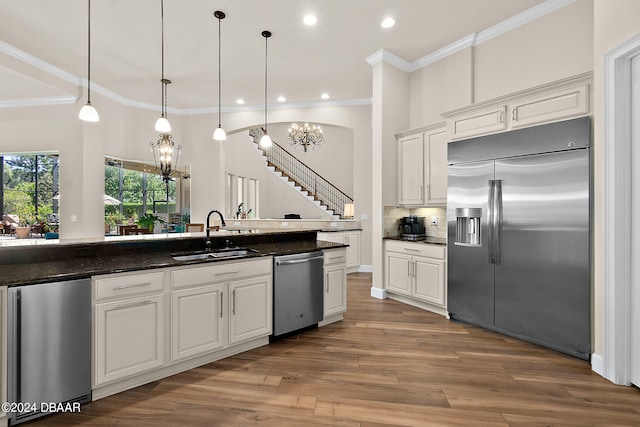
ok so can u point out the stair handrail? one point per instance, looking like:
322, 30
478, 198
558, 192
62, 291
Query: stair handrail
321, 188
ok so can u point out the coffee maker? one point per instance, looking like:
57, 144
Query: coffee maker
412, 228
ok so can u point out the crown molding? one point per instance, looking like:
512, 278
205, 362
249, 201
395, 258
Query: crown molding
520, 19
443, 52
390, 58
470, 40
36, 102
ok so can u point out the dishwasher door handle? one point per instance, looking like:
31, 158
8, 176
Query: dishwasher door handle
297, 261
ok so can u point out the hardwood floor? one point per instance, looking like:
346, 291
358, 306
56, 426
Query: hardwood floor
386, 364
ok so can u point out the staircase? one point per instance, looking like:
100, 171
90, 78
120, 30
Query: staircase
301, 177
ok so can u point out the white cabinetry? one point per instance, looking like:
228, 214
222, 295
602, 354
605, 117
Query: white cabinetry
128, 325
351, 238
416, 271
251, 308
560, 100
335, 283
197, 320
214, 306
422, 166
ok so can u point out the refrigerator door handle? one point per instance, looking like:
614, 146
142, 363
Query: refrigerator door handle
15, 368
491, 221
497, 221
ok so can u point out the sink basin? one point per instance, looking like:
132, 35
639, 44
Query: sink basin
191, 257
218, 253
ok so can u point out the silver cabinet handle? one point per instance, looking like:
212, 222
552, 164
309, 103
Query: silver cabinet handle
514, 114
133, 304
227, 272
233, 305
412, 249
221, 303
135, 285
501, 118
327, 281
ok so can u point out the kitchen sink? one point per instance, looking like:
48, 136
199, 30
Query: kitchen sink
218, 253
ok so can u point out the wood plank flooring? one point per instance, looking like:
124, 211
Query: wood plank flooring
386, 364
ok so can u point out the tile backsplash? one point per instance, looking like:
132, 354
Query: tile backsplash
393, 216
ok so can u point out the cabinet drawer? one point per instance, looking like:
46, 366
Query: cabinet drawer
128, 284
335, 256
220, 272
421, 249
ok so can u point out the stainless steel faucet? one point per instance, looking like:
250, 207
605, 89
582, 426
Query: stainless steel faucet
208, 231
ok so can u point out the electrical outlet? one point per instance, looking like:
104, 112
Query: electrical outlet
434, 221
284, 224
333, 224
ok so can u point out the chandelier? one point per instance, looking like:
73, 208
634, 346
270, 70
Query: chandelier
305, 135
165, 155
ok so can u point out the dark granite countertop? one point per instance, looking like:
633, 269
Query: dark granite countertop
429, 240
31, 265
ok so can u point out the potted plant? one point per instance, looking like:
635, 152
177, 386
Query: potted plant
112, 219
148, 220
24, 230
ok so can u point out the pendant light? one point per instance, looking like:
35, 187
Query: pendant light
219, 134
162, 124
265, 141
88, 113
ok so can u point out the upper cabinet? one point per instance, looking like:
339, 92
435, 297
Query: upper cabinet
422, 167
560, 100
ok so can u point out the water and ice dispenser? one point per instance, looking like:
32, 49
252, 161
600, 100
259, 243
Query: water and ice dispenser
468, 227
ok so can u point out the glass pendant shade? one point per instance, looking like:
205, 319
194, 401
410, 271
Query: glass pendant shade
265, 141
88, 113
163, 125
219, 134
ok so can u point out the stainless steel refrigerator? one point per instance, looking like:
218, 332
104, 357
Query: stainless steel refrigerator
518, 216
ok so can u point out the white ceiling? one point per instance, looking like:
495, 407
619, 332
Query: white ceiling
303, 61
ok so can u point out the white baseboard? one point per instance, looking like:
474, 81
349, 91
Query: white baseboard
597, 364
365, 269
378, 293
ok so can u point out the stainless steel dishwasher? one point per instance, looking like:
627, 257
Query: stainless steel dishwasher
49, 358
297, 292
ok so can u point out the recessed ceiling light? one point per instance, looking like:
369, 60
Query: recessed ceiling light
388, 22
240, 101
324, 96
281, 98
310, 19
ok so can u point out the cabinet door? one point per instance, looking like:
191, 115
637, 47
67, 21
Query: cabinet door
353, 250
399, 273
335, 290
197, 321
250, 309
557, 105
478, 123
436, 167
410, 170
429, 280
128, 337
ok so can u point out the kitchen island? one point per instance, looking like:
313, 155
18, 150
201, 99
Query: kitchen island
154, 316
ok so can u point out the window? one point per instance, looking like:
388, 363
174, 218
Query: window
243, 196
28, 187
139, 190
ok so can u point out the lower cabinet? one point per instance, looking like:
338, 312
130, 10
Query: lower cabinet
335, 282
153, 324
416, 270
197, 321
251, 309
128, 331
351, 238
